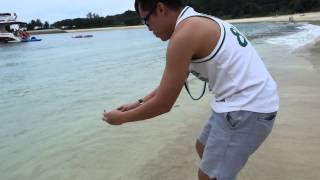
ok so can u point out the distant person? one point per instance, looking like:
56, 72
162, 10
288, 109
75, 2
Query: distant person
24, 34
246, 100
15, 16
291, 19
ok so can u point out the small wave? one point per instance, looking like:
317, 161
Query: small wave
10, 65
263, 30
308, 35
19, 92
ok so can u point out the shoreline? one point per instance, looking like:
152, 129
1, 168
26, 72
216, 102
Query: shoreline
57, 31
46, 31
105, 29
300, 17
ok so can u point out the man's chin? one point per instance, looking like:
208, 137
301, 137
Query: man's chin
163, 38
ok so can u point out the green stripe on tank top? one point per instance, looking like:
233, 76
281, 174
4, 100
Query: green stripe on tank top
183, 12
224, 37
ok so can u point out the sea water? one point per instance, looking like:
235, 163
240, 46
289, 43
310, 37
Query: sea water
53, 93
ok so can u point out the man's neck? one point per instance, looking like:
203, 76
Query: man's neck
177, 14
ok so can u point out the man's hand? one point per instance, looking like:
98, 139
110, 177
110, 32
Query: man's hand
127, 107
114, 117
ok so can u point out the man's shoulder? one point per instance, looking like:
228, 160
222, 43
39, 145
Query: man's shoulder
191, 23
196, 27
188, 29
198, 34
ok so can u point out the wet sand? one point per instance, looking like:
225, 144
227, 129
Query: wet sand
290, 152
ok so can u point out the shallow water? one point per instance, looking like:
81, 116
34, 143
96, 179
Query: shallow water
53, 93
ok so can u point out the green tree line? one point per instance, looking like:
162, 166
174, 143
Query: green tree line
224, 9
251, 8
93, 20
37, 24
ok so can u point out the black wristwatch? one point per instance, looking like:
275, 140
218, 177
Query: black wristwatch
140, 101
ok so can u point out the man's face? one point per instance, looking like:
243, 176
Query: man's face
145, 18
155, 21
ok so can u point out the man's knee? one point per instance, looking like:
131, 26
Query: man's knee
199, 148
204, 176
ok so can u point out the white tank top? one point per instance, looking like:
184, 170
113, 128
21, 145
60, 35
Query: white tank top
234, 71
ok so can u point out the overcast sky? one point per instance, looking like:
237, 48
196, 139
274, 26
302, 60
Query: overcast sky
55, 10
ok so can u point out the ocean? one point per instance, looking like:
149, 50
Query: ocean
53, 93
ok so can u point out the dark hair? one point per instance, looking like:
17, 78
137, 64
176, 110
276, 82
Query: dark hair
149, 4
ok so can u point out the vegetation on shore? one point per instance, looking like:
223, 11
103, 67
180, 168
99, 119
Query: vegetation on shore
225, 9
231, 9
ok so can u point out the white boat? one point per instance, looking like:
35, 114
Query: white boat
8, 17
83, 36
11, 29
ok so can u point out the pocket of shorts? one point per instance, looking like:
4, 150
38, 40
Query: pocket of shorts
267, 116
232, 120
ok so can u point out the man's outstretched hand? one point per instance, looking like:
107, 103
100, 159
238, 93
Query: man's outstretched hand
127, 107
114, 117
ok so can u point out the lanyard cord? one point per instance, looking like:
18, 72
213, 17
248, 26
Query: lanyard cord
203, 91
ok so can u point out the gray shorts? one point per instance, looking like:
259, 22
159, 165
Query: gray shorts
230, 138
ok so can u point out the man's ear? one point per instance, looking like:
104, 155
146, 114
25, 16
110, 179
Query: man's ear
162, 8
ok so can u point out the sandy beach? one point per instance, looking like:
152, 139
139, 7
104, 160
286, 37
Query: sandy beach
290, 152
314, 16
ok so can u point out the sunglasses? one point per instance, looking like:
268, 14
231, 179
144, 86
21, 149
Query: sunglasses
145, 20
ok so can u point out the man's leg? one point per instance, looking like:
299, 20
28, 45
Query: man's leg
199, 148
200, 145
233, 137
203, 137
203, 176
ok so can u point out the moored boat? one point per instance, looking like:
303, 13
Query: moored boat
12, 30
83, 36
